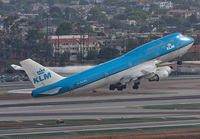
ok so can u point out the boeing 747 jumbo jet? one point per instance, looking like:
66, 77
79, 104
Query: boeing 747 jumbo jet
142, 62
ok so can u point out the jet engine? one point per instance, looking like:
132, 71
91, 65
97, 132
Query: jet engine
161, 73
167, 68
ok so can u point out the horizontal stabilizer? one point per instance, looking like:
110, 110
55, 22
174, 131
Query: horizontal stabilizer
21, 91
50, 92
16, 67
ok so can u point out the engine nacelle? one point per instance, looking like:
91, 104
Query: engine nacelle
167, 68
159, 75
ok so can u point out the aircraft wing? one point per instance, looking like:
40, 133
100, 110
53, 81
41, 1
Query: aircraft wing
183, 62
146, 70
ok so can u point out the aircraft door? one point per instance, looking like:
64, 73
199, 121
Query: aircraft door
130, 64
106, 74
157, 53
177, 45
71, 87
161, 44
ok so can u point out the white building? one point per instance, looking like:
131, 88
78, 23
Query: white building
164, 5
75, 44
183, 13
5, 1
97, 28
99, 1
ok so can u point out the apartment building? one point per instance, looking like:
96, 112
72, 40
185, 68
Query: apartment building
75, 44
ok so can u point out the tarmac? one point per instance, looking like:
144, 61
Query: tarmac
176, 97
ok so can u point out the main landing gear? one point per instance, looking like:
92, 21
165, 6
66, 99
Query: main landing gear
117, 86
120, 87
136, 85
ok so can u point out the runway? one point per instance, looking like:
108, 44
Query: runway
174, 98
96, 127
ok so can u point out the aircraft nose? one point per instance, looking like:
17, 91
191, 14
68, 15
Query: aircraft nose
186, 39
190, 39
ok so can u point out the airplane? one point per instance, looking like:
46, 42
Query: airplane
142, 62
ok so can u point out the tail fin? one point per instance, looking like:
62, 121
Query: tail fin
38, 74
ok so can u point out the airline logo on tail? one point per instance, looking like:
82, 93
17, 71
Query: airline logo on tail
41, 76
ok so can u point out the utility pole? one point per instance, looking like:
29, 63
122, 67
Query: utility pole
47, 37
80, 45
83, 47
58, 47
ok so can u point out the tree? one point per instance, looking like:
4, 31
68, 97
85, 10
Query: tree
97, 15
83, 2
153, 8
173, 21
101, 34
11, 32
121, 16
109, 2
137, 15
155, 37
130, 45
182, 7
108, 53
193, 19
116, 24
64, 57
70, 14
50, 2
65, 28
197, 27
35, 33
55, 11
92, 55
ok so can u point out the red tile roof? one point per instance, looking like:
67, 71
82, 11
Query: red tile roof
72, 40
179, 11
193, 48
88, 40
56, 40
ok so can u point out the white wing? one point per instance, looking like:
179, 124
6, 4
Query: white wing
145, 70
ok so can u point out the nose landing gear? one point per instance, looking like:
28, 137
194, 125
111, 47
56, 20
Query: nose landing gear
179, 62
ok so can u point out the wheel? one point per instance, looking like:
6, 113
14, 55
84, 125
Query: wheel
112, 87
137, 83
124, 86
179, 62
120, 88
135, 87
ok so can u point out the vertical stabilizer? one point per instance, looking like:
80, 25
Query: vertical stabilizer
39, 75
